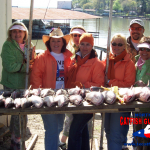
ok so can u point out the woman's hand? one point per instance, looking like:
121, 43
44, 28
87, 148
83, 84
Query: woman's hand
33, 54
140, 83
77, 83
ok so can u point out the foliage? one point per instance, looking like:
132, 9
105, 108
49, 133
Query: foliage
82, 2
129, 5
141, 7
75, 3
88, 6
117, 5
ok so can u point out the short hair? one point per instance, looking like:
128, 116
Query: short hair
145, 39
63, 49
17, 23
121, 37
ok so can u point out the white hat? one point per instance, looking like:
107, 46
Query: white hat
144, 45
138, 21
77, 30
17, 26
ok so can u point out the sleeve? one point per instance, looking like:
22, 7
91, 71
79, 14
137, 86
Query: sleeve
129, 76
97, 76
9, 60
37, 72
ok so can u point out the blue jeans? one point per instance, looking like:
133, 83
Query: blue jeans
115, 133
79, 134
53, 124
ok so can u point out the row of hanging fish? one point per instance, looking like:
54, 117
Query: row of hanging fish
125, 95
48, 97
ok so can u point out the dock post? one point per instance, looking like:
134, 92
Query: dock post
22, 130
102, 131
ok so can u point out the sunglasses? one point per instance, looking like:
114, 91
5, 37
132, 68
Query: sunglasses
115, 44
136, 28
142, 49
75, 35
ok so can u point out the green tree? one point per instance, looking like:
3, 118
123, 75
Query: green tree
129, 5
88, 6
117, 5
82, 2
143, 6
75, 3
98, 5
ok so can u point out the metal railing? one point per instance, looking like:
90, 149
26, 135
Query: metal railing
101, 50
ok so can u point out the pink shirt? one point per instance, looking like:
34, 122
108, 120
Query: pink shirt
22, 46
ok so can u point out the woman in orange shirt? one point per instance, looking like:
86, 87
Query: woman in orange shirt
121, 73
86, 71
49, 71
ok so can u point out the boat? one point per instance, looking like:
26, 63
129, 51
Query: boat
41, 27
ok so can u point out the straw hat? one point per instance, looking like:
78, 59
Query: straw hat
56, 33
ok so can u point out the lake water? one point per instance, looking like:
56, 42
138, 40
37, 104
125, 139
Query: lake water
119, 25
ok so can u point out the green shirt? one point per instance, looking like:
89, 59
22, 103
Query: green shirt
12, 59
144, 75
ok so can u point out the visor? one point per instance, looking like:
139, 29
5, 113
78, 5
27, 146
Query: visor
78, 31
19, 27
144, 45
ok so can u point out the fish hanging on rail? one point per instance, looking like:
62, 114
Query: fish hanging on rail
49, 101
2, 100
95, 98
61, 100
36, 92
109, 97
47, 92
76, 99
144, 95
36, 100
26, 103
61, 92
27, 93
74, 91
9, 102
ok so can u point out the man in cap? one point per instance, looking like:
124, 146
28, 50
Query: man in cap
136, 30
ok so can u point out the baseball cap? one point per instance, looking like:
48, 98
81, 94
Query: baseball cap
138, 21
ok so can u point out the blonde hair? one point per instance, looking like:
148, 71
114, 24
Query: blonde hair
145, 39
120, 37
71, 35
17, 23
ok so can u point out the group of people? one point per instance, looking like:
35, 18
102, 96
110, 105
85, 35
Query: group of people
71, 61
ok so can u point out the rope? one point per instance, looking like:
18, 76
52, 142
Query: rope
43, 18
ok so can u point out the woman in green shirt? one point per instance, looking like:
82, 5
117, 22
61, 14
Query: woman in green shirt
142, 77
14, 70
